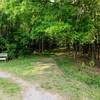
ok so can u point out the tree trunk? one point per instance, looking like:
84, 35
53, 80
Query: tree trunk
42, 41
39, 46
75, 50
98, 52
93, 52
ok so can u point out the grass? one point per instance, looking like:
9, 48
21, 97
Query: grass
75, 71
9, 87
84, 83
9, 90
59, 74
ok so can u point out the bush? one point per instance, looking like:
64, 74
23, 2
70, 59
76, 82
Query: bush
11, 50
92, 63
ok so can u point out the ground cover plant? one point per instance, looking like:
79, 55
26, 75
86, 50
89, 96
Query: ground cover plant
9, 90
58, 75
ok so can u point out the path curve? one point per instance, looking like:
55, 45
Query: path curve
29, 91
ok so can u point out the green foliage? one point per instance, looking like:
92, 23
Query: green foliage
25, 21
11, 50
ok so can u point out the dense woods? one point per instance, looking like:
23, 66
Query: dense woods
39, 25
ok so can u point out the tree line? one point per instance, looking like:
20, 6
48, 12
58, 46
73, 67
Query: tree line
28, 25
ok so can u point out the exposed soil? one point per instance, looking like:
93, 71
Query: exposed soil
29, 91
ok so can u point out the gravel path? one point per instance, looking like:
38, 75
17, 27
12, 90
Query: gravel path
29, 91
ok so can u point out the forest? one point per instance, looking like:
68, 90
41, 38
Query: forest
51, 45
40, 25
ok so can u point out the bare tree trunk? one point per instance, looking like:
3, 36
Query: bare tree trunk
75, 50
42, 41
93, 52
39, 46
98, 51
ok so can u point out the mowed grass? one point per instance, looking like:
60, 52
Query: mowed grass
9, 90
58, 75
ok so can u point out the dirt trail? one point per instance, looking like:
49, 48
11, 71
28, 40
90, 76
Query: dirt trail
29, 91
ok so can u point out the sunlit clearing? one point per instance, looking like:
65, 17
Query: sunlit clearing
36, 70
